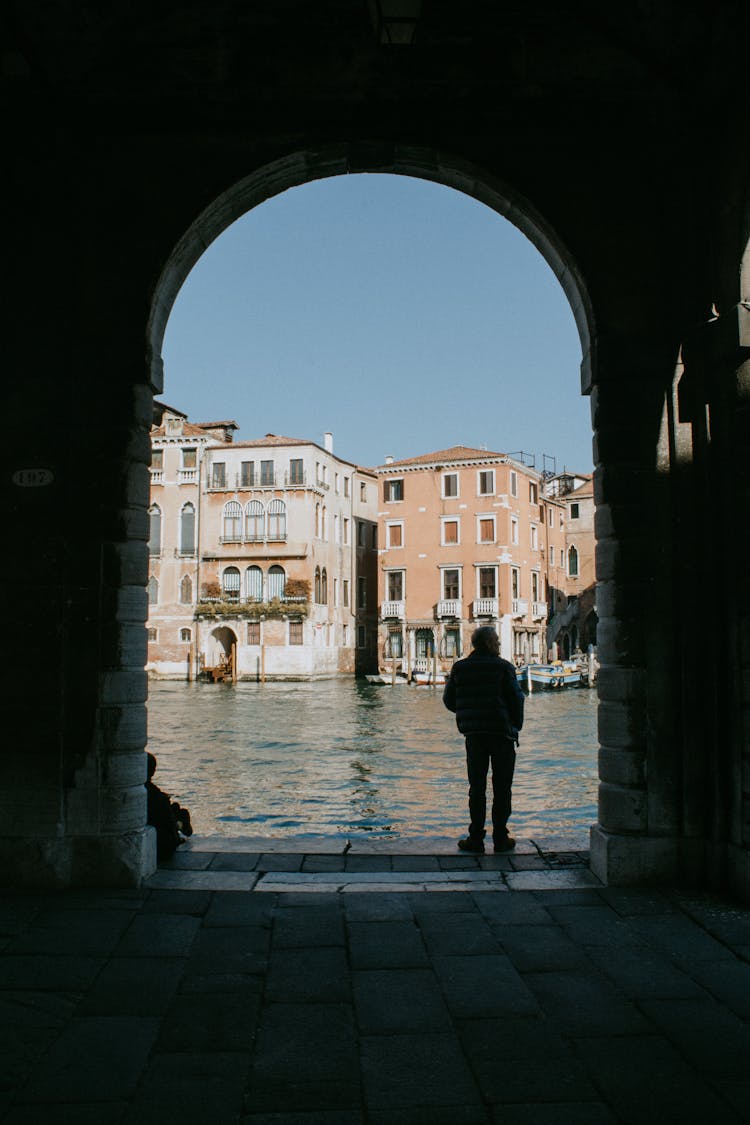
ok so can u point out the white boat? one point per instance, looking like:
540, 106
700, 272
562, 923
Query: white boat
386, 679
427, 679
559, 674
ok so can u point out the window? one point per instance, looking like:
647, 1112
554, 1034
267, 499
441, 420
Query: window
361, 534
254, 584
157, 458
394, 535
450, 485
336, 483
316, 592
451, 579
230, 584
363, 491
395, 585
486, 482
186, 635
452, 643
450, 529
324, 524
186, 590
487, 582
253, 632
393, 490
534, 537
296, 471
218, 475
324, 587
277, 521
575, 511
189, 458
552, 556
550, 517
573, 562
187, 530
534, 586
247, 474
361, 636
275, 583
266, 472
486, 529
515, 582
361, 593
374, 537
255, 520
533, 492
514, 530
337, 528
295, 633
335, 591
232, 523
153, 635
345, 592
346, 532
346, 486
424, 644
154, 530
513, 482
153, 591
345, 635
394, 645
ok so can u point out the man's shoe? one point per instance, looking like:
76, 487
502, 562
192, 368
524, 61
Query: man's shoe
506, 845
469, 845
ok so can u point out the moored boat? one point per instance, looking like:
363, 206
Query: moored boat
559, 674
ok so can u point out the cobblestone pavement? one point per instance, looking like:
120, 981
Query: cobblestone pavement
272, 987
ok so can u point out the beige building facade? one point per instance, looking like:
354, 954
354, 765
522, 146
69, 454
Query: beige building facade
573, 625
467, 537
261, 555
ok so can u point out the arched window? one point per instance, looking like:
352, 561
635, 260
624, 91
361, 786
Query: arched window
277, 520
153, 590
254, 584
324, 587
317, 521
154, 530
186, 635
230, 583
232, 531
324, 523
186, 590
276, 582
573, 562
254, 521
187, 530
317, 585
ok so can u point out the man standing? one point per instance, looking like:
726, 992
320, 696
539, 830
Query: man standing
483, 692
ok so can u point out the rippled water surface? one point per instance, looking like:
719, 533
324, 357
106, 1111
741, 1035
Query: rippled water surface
342, 757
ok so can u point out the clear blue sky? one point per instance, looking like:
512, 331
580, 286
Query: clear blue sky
401, 315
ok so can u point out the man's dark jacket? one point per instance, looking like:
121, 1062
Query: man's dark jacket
483, 691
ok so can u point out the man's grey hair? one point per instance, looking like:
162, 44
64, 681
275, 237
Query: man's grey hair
484, 638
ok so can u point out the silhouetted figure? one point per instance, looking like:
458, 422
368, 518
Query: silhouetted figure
171, 821
483, 692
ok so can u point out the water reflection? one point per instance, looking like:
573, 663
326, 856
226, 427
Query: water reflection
341, 757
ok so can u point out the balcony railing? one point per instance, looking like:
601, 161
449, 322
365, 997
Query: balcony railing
449, 607
157, 476
538, 610
234, 482
276, 537
392, 609
485, 607
519, 607
187, 476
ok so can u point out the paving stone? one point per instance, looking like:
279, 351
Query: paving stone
678, 936
431, 1115
645, 973
458, 933
727, 981
45, 973
492, 862
492, 1039
401, 1072
441, 902
561, 894
537, 948
561, 1078
309, 926
584, 1003
70, 1114
551, 880
193, 1087
417, 863
286, 1074
636, 900
556, 1113
596, 925
729, 922
188, 861
204, 880
527, 862
230, 949
29, 1025
709, 1036
198, 983
384, 907
398, 1001
231, 908
134, 986
315, 1117
196, 903
324, 863
220, 1022
664, 1089
483, 985
367, 863
242, 861
290, 901
271, 861
159, 935
386, 945
513, 910
73, 933
101, 1055
308, 975
458, 863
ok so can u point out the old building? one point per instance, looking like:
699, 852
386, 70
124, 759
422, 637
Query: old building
466, 538
261, 555
573, 624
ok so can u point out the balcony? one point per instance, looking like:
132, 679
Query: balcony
157, 476
187, 476
538, 610
449, 607
392, 609
519, 607
485, 607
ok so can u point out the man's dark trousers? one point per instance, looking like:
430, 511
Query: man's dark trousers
481, 750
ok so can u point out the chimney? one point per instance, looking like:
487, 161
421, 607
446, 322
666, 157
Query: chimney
328, 442
389, 459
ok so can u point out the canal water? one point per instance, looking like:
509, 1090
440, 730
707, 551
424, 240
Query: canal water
344, 758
